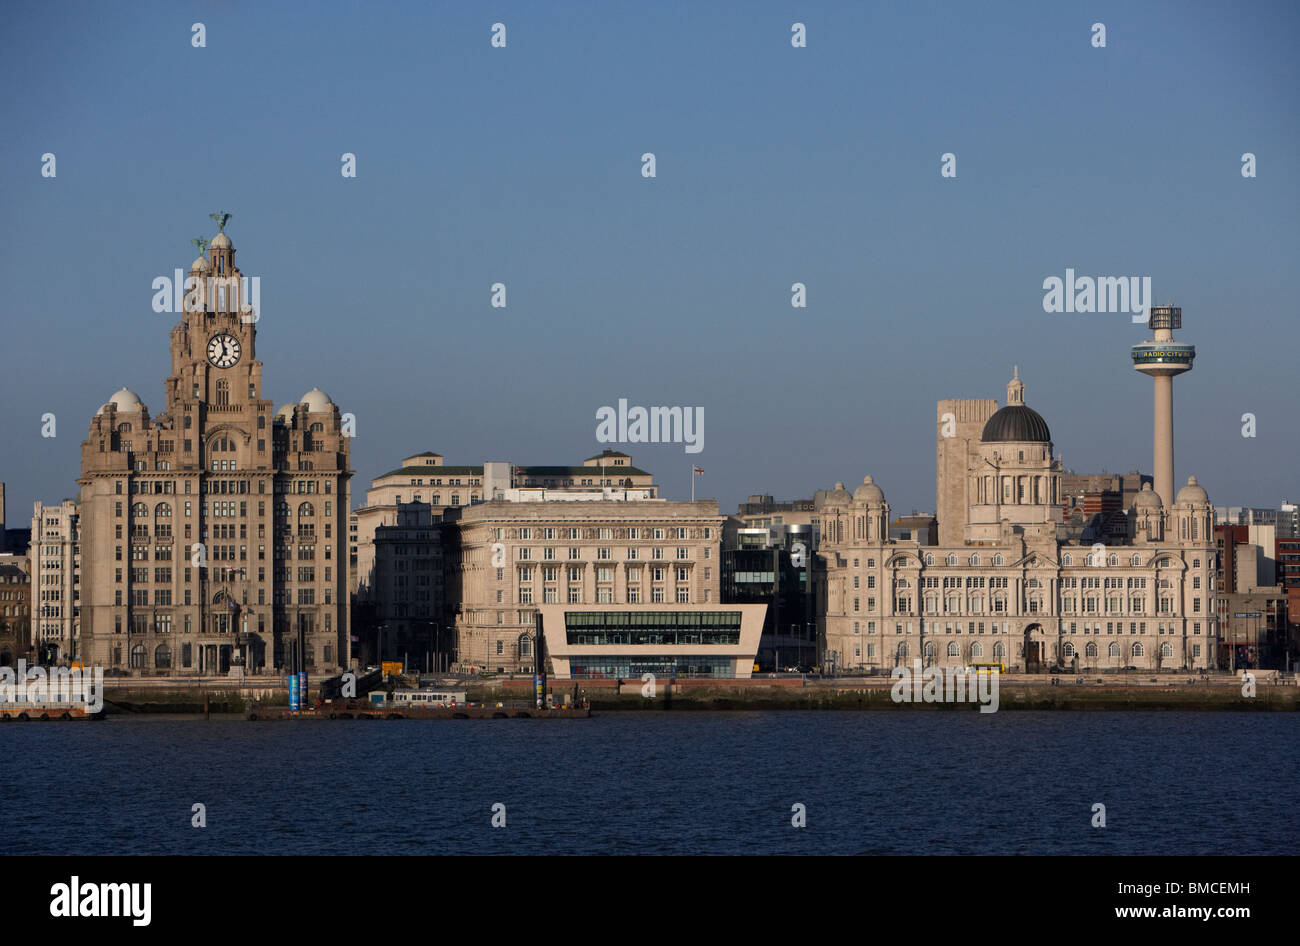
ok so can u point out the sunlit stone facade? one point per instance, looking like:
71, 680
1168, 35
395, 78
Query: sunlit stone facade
1004, 585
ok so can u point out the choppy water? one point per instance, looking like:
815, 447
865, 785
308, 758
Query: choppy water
683, 782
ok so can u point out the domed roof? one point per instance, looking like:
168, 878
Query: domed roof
221, 241
839, 496
201, 264
1016, 423
125, 401
1192, 493
869, 492
317, 401
1147, 498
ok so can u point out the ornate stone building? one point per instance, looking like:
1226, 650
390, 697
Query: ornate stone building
213, 534
1004, 585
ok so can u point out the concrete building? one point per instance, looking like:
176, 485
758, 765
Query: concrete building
56, 581
208, 531
510, 555
15, 610
423, 478
408, 618
1004, 585
1161, 359
454, 562
1097, 504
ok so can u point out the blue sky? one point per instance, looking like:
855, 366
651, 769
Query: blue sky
775, 165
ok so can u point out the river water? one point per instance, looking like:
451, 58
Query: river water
886, 782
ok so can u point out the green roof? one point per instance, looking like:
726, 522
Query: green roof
582, 471
534, 471
435, 471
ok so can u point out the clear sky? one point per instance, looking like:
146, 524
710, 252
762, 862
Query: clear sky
775, 165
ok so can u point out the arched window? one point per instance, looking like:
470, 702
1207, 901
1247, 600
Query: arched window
1135, 560
139, 510
1067, 651
929, 648
162, 511
1113, 650
138, 657
525, 646
952, 558
306, 509
162, 657
902, 650
1113, 560
975, 558
1090, 649
1166, 649
282, 509
1139, 650
977, 649
929, 558
1067, 559
953, 649
997, 559
998, 650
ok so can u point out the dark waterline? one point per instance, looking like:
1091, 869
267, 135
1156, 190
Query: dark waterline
660, 783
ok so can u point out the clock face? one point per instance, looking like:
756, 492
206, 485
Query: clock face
223, 350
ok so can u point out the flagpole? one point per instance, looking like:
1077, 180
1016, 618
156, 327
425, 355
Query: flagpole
692, 482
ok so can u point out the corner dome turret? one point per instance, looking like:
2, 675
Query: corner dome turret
126, 401
1147, 498
1193, 492
317, 401
868, 492
839, 496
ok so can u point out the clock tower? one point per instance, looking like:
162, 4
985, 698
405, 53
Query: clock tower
214, 533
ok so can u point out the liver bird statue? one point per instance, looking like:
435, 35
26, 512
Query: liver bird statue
220, 218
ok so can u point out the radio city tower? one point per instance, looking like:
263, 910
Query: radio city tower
1162, 358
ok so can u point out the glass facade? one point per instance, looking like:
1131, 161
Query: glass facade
642, 628
631, 667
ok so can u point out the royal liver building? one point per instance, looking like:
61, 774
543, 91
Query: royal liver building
213, 533
1004, 585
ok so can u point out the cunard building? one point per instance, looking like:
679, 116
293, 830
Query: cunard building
213, 533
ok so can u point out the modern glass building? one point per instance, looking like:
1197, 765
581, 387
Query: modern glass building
625, 641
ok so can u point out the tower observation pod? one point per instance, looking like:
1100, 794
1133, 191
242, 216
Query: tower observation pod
1161, 358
